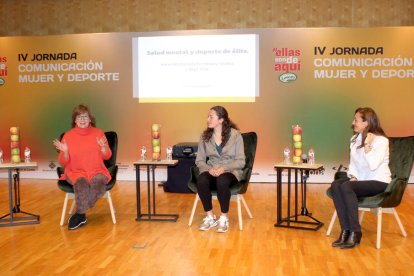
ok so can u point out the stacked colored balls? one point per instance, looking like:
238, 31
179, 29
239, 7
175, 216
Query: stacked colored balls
297, 144
15, 144
156, 142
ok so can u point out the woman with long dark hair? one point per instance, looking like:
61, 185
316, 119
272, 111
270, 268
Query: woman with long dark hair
368, 174
220, 159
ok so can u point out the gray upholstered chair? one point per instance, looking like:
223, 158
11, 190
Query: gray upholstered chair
401, 163
237, 190
110, 164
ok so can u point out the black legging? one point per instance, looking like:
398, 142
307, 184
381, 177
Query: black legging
345, 196
206, 182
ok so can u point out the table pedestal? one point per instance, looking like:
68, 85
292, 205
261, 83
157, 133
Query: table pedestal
16, 216
293, 220
151, 215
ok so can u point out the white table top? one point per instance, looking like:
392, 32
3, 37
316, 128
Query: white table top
299, 166
159, 163
21, 165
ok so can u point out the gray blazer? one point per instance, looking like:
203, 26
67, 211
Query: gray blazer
232, 157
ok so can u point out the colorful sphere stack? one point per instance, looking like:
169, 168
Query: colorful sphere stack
297, 144
15, 144
156, 142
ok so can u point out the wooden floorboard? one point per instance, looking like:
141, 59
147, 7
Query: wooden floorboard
168, 248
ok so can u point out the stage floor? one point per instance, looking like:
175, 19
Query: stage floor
174, 248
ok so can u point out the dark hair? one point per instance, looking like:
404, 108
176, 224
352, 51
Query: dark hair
368, 115
226, 126
81, 109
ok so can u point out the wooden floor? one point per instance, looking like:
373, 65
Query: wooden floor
168, 248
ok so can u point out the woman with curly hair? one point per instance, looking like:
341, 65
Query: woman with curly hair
220, 160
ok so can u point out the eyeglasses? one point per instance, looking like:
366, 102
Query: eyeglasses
82, 117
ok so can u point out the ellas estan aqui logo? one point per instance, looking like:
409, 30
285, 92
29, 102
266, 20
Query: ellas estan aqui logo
3, 69
287, 62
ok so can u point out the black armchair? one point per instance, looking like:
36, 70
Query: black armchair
237, 190
110, 164
401, 163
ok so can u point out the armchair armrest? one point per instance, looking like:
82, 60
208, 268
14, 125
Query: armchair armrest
245, 175
391, 185
60, 171
113, 170
195, 172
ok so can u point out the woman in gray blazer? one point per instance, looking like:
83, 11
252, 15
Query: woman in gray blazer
220, 159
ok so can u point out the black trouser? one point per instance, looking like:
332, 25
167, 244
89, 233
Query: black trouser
345, 196
206, 182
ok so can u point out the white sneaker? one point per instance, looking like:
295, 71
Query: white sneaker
208, 223
223, 224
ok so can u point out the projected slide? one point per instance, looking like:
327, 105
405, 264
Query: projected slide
196, 68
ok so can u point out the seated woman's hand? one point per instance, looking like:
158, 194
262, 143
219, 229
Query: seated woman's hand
219, 171
370, 138
212, 171
216, 171
60, 146
102, 142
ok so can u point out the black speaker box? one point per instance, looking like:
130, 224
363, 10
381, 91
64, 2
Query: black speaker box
178, 176
185, 150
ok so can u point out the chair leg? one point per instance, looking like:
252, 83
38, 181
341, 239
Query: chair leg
239, 212
334, 215
65, 205
379, 223
193, 211
111, 206
72, 206
397, 218
361, 216
247, 207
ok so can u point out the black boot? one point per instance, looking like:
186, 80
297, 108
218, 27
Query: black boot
353, 240
343, 237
